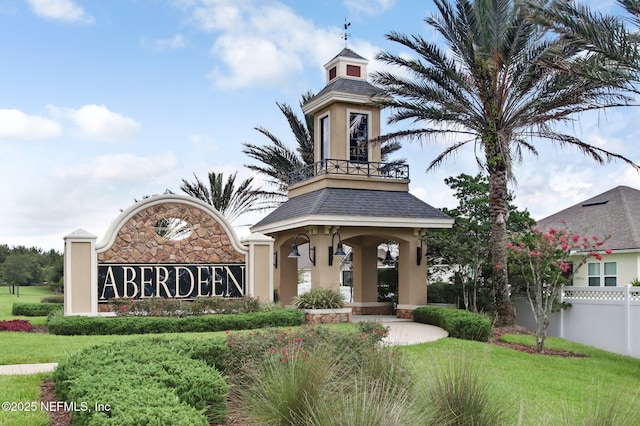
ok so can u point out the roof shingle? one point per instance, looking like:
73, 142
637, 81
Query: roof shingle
353, 202
615, 212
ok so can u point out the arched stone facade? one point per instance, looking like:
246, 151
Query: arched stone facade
134, 242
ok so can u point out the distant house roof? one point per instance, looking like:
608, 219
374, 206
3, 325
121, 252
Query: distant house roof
615, 212
363, 206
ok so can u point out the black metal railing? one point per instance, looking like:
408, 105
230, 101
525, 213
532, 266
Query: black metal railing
345, 167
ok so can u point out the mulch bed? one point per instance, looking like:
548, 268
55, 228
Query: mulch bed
498, 332
48, 394
62, 418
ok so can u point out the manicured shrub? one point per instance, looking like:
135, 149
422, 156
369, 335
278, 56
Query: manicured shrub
319, 298
15, 325
35, 309
78, 325
458, 322
143, 381
59, 298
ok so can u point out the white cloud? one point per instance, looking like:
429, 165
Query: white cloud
96, 122
121, 167
368, 7
60, 10
258, 43
15, 124
161, 45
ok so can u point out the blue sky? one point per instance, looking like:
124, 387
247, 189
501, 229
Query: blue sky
104, 102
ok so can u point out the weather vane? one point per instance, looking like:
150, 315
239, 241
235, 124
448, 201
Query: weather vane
345, 36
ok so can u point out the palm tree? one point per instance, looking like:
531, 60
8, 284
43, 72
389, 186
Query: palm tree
487, 88
228, 199
278, 160
610, 48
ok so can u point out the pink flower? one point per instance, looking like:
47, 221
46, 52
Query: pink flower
552, 231
608, 251
595, 238
576, 238
498, 267
565, 246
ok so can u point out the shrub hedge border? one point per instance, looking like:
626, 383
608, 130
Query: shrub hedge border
458, 322
35, 309
150, 380
79, 325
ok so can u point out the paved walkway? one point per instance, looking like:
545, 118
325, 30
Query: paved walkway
401, 332
27, 368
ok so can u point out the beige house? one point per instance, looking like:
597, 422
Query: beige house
348, 196
617, 213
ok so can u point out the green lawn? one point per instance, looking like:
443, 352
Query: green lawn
28, 294
538, 388
22, 389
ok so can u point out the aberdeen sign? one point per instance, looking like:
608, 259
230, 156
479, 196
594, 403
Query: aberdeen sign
179, 281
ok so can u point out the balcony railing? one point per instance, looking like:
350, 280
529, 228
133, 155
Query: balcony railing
345, 167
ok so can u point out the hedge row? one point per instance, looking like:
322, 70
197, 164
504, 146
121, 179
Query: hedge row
145, 381
35, 309
76, 325
458, 322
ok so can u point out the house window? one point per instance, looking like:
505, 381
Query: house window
610, 274
353, 71
324, 138
593, 271
332, 73
358, 137
602, 273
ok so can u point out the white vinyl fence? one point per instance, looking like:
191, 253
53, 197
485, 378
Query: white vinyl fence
604, 317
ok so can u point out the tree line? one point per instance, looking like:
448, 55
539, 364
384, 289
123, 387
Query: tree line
21, 265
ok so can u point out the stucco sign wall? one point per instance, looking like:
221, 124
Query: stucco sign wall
171, 250
168, 246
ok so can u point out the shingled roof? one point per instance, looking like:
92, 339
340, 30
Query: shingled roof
328, 203
349, 85
615, 212
348, 53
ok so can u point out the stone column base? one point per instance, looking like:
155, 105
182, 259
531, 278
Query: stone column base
406, 311
371, 308
326, 316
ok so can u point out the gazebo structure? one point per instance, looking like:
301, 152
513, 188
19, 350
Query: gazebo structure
349, 196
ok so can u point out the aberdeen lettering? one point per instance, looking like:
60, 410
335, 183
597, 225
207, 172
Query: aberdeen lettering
179, 281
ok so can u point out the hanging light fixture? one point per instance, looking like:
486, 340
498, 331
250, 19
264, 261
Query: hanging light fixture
296, 253
388, 257
339, 252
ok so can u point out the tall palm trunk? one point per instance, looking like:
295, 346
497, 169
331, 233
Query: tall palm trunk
498, 215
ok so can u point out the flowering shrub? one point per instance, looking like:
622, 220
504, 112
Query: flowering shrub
158, 307
15, 325
245, 349
303, 376
545, 261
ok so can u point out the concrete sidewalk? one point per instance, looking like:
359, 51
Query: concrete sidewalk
15, 369
401, 332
